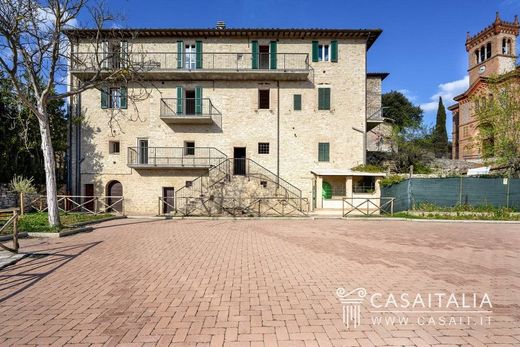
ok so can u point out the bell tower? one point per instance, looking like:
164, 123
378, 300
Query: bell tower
493, 50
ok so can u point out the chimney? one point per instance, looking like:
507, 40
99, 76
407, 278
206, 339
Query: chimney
221, 24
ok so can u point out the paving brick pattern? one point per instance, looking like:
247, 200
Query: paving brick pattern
255, 283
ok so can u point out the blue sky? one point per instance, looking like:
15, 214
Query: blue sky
422, 45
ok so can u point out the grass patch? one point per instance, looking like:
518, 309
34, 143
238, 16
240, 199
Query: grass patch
502, 215
37, 222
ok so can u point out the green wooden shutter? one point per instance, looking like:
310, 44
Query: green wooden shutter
273, 55
334, 51
124, 98
297, 102
314, 51
254, 58
180, 100
180, 49
323, 98
198, 50
104, 97
124, 54
198, 100
323, 151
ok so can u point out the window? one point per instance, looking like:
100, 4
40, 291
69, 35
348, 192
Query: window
190, 57
323, 53
263, 99
189, 148
113, 147
506, 46
323, 98
189, 184
323, 151
364, 184
115, 98
297, 102
263, 147
488, 50
263, 184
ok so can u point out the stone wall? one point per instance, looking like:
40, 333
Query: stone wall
8, 198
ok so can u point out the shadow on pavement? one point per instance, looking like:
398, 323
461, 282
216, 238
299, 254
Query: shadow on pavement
26, 273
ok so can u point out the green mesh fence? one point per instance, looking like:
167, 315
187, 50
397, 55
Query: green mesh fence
447, 192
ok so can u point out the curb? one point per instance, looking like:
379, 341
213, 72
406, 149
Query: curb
62, 233
381, 219
434, 220
21, 235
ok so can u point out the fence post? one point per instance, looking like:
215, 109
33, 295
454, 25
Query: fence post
508, 190
460, 190
392, 207
16, 245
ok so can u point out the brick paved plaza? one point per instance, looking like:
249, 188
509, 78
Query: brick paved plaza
256, 283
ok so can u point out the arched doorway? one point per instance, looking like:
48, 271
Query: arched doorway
114, 195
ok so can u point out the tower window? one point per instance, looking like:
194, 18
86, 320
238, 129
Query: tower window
477, 56
488, 50
506, 46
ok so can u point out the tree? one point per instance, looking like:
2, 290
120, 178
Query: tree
440, 136
34, 50
498, 116
401, 111
20, 147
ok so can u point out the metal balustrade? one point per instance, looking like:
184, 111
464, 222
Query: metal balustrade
174, 157
220, 61
188, 110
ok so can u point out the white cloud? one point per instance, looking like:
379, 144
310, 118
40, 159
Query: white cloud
447, 91
47, 18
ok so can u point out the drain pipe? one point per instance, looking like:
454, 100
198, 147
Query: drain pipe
278, 133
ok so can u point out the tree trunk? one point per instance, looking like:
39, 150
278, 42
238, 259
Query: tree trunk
50, 167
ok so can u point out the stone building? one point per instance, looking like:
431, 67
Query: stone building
491, 52
274, 113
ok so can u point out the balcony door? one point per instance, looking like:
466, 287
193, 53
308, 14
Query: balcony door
142, 151
190, 102
190, 60
264, 57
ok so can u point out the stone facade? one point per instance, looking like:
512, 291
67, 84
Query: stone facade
293, 135
491, 52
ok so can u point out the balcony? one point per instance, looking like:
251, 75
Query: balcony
374, 117
174, 157
193, 66
188, 111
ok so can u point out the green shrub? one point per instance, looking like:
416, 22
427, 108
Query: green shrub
369, 168
391, 180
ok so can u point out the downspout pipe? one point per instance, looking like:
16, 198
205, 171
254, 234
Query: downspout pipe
278, 132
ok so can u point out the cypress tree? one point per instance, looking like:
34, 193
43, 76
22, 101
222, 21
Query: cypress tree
440, 135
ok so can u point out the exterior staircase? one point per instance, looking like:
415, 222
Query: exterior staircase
240, 187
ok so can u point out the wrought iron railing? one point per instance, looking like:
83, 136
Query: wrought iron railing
178, 157
376, 114
220, 61
187, 107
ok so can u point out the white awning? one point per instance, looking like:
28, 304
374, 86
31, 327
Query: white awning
345, 172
